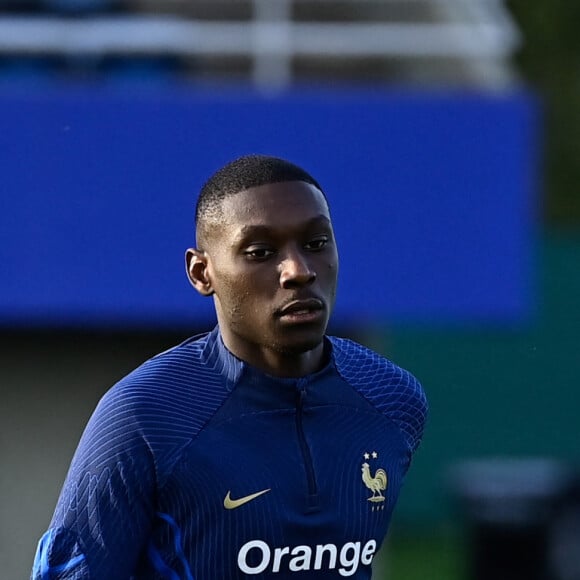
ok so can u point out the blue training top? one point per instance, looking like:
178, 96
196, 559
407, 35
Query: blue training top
198, 466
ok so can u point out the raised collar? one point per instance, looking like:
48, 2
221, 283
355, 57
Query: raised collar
217, 355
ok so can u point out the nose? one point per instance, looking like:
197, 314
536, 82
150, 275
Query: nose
295, 271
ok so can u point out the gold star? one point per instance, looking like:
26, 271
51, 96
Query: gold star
366, 456
374, 454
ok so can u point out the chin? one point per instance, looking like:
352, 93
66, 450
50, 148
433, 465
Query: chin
300, 345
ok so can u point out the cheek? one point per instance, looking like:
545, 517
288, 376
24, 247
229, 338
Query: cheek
331, 270
237, 294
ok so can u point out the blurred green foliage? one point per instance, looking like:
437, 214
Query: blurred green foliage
436, 556
549, 61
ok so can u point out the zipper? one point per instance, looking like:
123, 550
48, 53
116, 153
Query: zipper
312, 501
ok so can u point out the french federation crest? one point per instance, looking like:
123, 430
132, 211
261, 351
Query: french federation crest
376, 483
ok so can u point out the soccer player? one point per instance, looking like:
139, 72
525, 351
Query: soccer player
264, 448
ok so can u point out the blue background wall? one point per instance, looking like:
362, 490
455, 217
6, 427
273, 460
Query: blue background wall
433, 197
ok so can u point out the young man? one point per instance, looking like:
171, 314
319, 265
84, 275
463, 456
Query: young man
261, 449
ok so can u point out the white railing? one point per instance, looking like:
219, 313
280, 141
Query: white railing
474, 32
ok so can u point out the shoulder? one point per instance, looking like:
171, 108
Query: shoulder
177, 374
391, 389
171, 374
170, 397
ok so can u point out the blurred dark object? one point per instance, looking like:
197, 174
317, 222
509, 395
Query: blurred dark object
565, 535
63, 7
81, 7
20, 6
16, 70
143, 70
510, 507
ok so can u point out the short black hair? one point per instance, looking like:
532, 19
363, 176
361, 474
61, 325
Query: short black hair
241, 174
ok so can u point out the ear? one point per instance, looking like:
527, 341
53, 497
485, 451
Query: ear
196, 268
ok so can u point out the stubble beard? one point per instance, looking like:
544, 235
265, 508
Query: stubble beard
297, 347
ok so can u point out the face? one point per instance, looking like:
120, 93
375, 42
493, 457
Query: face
272, 268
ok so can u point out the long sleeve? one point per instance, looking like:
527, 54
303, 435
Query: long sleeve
105, 511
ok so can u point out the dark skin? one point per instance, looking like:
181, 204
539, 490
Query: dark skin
271, 265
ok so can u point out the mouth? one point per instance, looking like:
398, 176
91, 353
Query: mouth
301, 311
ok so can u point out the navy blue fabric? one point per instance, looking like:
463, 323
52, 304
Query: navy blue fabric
144, 497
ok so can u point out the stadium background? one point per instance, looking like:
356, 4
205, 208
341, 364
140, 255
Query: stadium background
463, 184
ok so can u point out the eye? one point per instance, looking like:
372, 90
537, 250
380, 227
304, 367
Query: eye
258, 253
317, 244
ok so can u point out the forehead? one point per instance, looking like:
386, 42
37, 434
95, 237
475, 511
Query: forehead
290, 203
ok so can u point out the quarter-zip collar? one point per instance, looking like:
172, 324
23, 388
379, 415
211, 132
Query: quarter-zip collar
232, 368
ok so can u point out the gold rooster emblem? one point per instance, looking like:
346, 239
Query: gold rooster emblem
376, 483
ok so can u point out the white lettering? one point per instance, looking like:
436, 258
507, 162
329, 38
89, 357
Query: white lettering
302, 561
278, 553
353, 562
299, 558
368, 552
243, 554
320, 549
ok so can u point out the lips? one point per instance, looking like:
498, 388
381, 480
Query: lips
301, 307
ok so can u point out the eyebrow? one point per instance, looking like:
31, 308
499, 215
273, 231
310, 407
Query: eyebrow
257, 229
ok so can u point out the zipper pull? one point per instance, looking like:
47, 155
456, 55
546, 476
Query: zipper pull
301, 386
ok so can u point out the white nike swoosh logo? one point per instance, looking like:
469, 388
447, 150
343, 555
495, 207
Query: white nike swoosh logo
232, 504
